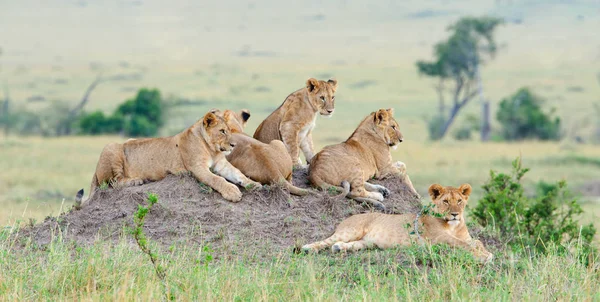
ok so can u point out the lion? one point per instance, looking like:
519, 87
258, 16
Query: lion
386, 230
198, 149
364, 155
266, 163
294, 121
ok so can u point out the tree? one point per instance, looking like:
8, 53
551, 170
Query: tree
521, 117
458, 60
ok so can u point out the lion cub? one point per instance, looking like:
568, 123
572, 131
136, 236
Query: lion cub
266, 163
385, 231
365, 154
198, 149
294, 120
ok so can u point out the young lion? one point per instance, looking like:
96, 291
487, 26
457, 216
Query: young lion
201, 147
365, 154
266, 163
294, 120
386, 231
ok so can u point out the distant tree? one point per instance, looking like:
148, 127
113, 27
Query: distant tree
521, 117
458, 60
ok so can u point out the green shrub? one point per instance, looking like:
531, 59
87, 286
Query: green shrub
546, 220
521, 117
141, 116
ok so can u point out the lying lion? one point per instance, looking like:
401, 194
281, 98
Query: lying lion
266, 163
365, 154
294, 120
385, 231
198, 149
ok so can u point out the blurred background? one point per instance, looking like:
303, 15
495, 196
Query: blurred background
474, 84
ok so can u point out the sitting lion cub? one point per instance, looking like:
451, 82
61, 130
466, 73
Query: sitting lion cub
294, 120
266, 163
386, 231
365, 154
198, 149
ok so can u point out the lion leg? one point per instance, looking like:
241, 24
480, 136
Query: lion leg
377, 188
290, 137
307, 147
344, 235
474, 246
351, 246
232, 174
220, 184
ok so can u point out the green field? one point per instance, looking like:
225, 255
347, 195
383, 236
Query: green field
246, 54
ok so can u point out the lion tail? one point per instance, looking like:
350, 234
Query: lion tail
295, 190
79, 196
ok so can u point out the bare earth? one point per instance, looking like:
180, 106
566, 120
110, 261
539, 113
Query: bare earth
189, 213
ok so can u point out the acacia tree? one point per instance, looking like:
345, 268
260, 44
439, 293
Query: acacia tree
457, 63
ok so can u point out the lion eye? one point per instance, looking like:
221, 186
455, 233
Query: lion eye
223, 131
459, 201
333, 97
446, 202
323, 98
394, 127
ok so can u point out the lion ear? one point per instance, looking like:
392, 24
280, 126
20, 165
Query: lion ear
312, 84
245, 114
215, 111
380, 116
435, 191
465, 189
333, 83
210, 120
390, 111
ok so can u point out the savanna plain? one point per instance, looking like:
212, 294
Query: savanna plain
251, 55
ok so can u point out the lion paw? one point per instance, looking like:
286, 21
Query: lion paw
232, 193
384, 191
132, 182
253, 185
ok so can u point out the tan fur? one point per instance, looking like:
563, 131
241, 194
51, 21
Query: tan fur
198, 149
365, 154
386, 231
294, 121
266, 163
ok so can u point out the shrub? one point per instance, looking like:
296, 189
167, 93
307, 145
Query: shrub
521, 117
141, 116
540, 222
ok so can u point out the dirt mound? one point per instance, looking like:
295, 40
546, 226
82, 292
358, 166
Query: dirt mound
191, 212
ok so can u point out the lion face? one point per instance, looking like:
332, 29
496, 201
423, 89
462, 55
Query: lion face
387, 127
217, 133
235, 121
450, 201
321, 95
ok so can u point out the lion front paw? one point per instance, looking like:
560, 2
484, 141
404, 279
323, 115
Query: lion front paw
253, 185
231, 193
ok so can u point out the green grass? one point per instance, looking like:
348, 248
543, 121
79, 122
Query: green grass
106, 271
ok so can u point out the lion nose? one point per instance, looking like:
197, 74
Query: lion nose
329, 110
454, 214
400, 139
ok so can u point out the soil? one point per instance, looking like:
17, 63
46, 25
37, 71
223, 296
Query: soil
191, 213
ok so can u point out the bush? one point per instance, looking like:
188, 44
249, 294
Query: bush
521, 117
141, 116
434, 126
549, 219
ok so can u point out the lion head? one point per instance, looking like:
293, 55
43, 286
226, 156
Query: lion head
216, 133
450, 201
387, 127
236, 121
321, 95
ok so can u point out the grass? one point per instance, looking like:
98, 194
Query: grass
116, 271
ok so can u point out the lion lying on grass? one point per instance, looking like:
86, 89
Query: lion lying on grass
385, 231
198, 149
365, 154
266, 163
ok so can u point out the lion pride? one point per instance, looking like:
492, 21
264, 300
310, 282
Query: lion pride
385, 231
294, 121
198, 149
365, 154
